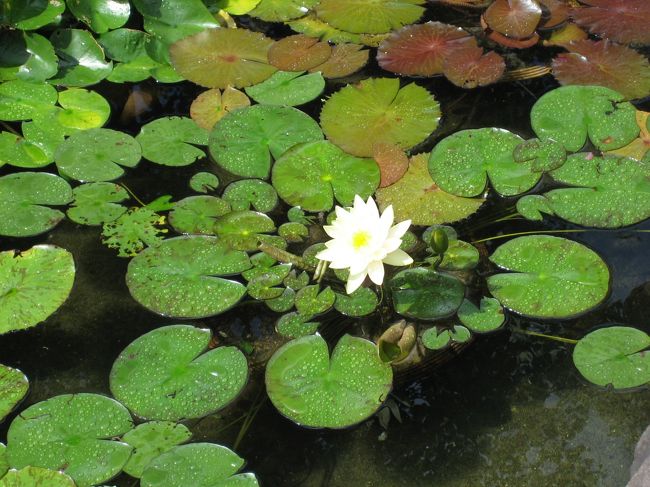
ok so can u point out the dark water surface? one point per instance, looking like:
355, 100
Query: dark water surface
509, 411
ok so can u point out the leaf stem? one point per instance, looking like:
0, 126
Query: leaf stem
135, 197
532, 232
542, 335
284, 256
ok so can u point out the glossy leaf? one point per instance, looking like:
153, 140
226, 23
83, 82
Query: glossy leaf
488, 317
346, 59
298, 53
13, 388
81, 58
21, 100
204, 182
513, 18
172, 141
287, 88
620, 20
433, 340
26, 56
82, 109
282, 10
101, 15
545, 155
251, 194
244, 230
361, 302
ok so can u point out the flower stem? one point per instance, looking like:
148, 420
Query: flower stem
284, 256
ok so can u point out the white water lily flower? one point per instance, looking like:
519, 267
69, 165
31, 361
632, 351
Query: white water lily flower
363, 241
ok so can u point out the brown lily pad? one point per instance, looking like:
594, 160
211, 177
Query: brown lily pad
299, 53
554, 13
513, 18
469, 68
346, 59
624, 21
392, 161
212, 105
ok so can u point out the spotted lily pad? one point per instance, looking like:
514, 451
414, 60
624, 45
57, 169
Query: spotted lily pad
182, 277
312, 301
487, 318
620, 20
21, 100
282, 10
296, 325
551, 277
197, 214
312, 175
150, 440
23, 197
346, 59
81, 58
244, 230
417, 198
134, 230
570, 114
97, 155
361, 302
298, 53
293, 232
36, 477
97, 203
616, 356
461, 163
425, 294
545, 155
212, 105
82, 109
245, 141
471, 67
460, 256
287, 88
172, 141
263, 283
377, 110
204, 182
169, 374
101, 15
197, 464
433, 340
251, 193
369, 16
72, 433
312, 389
13, 388
217, 58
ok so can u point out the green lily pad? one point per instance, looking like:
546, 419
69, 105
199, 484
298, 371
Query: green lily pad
204, 182
244, 230
603, 192
312, 389
101, 15
263, 282
616, 356
26, 56
312, 175
433, 340
217, 58
417, 198
460, 256
461, 163
82, 109
377, 110
296, 280
370, 16
36, 477
31, 15
134, 230
150, 440
361, 302
97, 155
197, 464
545, 155
288, 88
97, 203
197, 214
488, 317
282, 303
296, 325
81, 58
532, 207
181, 277
552, 277
293, 232
13, 388
72, 432
571, 114
20, 152
282, 10
33, 284
170, 374
124, 45
4, 463
171, 141
22, 199
312, 301
233, 7
21, 100
251, 194
424, 294
245, 141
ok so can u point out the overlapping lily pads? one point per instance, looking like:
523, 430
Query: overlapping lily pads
182, 277
81, 58
169, 374
101, 15
435, 339
35, 477
197, 214
631, 19
551, 277
13, 387
212, 105
26, 56
287, 88
312, 389
73, 433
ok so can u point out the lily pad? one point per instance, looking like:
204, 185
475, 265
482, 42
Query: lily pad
424, 294
32, 15
263, 282
369, 16
417, 198
245, 141
171, 141
293, 232
212, 105
82, 109
72, 432
197, 214
346, 59
244, 230
312, 389
545, 155
639, 147
533, 206
551, 277
182, 277
282, 303
21, 100
22, 199
204, 182
619, 20
217, 58
287, 88
470, 67
282, 10
616, 356
97, 155
377, 110
312, 301
97, 203
170, 374
251, 194
197, 464
312, 175
392, 161
134, 230
35, 477
433, 340
460, 256
150, 440
21, 152
361, 302
81, 58
461, 163
488, 317
513, 18
234, 7
296, 325
299, 53
13, 388
26, 56
570, 114
34, 284
101, 15
313, 26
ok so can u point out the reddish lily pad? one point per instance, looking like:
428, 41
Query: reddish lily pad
212, 105
469, 67
513, 18
604, 63
217, 58
299, 53
392, 161
554, 13
346, 59
422, 48
619, 20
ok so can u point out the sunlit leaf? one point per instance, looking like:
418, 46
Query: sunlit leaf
81, 58
82, 109
97, 203
513, 18
13, 385
620, 20
287, 88
133, 231
282, 10
212, 105
172, 141
346, 59
298, 53
101, 15
32, 14
150, 440
26, 56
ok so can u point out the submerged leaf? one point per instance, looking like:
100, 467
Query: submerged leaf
287, 88
36, 477
150, 440
96, 203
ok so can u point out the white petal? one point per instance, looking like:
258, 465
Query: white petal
354, 282
371, 209
387, 217
398, 258
399, 229
376, 272
341, 212
359, 264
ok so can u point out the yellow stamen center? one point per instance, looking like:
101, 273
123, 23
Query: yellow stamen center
360, 239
